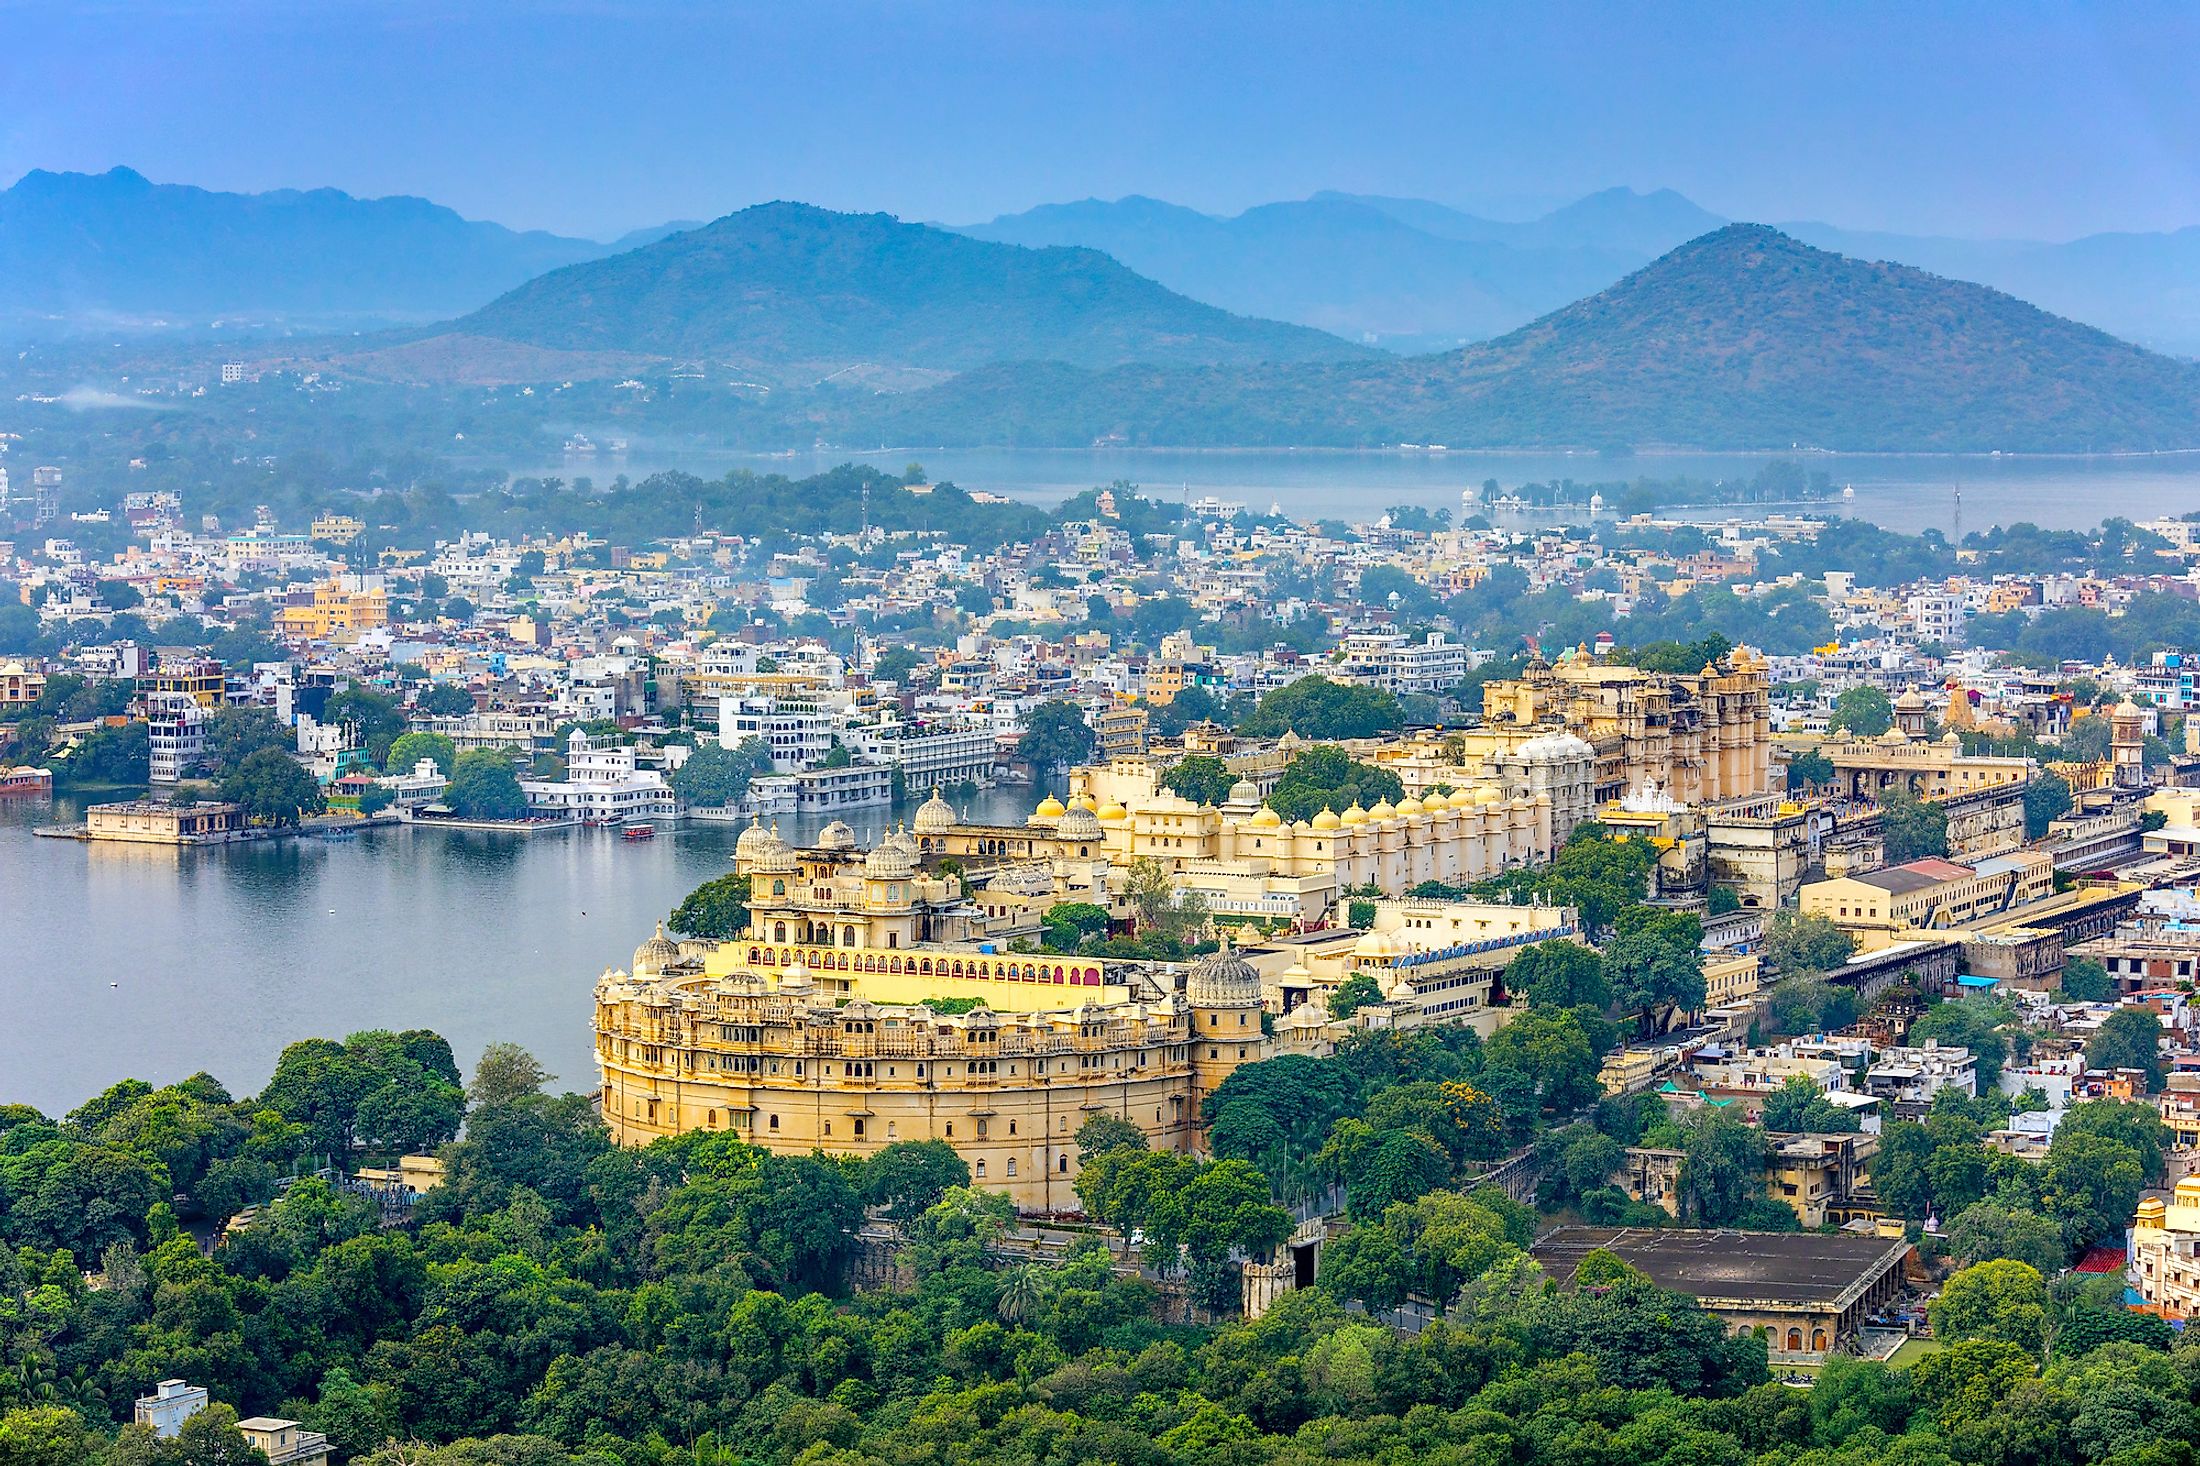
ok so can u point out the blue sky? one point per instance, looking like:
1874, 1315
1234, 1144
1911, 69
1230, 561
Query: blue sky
2040, 120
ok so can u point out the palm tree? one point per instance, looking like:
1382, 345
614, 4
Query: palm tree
1021, 1295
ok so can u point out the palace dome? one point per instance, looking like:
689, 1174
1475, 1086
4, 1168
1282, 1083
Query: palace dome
1460, 798
1327, 819
1078, 823
1244, 791
752, 843
1265, 818
1110, 812
1383, 810
1223, 980
1050, 808
656, 954
888, 862
773, 854
935, 815
1411, 806
836, 836
1353, 815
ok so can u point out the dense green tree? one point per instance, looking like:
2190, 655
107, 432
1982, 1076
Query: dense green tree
1326, 777
1989, 1230
1201, 778
235, 733
374, 719
2085, 980
1809, 769
1799, 1107
1552, 1050
1559, 974
2129, 1038
408, 749
1353, 994
717, 910
2003, 1300
483, 787
1318, 709
1911, 828
274, 788
1797, 945
1055, 736
1865, 711
908, 1177
713, 776
2046, 799
1722, 1168
1067, 926
444, 699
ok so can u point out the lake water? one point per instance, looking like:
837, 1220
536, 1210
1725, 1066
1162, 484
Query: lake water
124, 961
1955, 494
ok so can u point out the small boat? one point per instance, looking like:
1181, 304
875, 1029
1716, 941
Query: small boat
638, 832
341, 833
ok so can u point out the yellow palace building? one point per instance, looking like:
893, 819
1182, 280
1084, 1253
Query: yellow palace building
858, 1009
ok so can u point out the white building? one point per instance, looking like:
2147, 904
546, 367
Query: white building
1391, 660
929, 757
1915, 1075
169, 1406
176, 728
602, 784
799, 733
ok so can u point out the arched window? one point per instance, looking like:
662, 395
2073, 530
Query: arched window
1795, 1341
753, 959
1062, 1165
894, 965
779, 931
848, 936
779, 888
1818, 1340
925, 966
843, 963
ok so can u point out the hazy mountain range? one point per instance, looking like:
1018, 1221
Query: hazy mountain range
112, 249
1744, 338
1414, 275
1623, 319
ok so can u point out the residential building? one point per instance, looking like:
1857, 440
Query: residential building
602, 783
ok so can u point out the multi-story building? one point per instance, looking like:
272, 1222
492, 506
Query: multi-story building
1401, 664
1698, 738
604, 783
2146, 953
337, 607
175, 725
2164, 1261
22, 683
858, 1009
799, 732
1913, 1076
203, 679
1875, 907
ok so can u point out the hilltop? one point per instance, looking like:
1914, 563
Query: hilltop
114, 248
795, 295
1741, 339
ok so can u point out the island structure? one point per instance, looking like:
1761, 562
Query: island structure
861, 1008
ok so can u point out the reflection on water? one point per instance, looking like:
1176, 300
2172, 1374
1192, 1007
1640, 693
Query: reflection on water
133, 960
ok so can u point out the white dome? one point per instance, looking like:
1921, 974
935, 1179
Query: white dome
935, 815
888, 862
836, 836
1078, 823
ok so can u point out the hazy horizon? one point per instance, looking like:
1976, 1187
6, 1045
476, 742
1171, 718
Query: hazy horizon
1968, 120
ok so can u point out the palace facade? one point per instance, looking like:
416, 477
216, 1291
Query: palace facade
858, 1009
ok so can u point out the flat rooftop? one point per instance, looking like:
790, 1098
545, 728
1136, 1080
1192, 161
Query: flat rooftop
1795, 1269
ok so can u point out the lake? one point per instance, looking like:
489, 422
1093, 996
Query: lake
121, 961
1955, 494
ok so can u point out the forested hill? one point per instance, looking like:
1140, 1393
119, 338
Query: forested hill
1741, 339
796, 294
